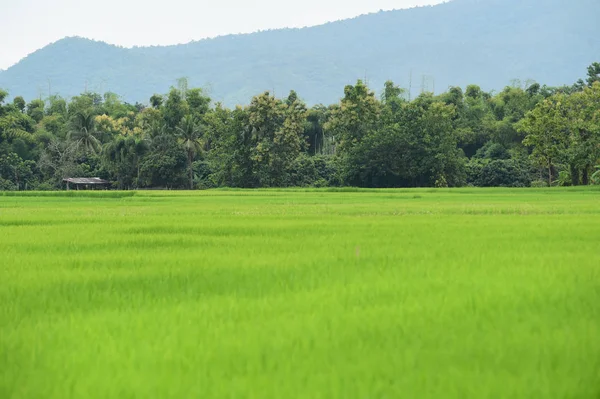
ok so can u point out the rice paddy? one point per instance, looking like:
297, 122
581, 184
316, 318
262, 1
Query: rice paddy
462, 293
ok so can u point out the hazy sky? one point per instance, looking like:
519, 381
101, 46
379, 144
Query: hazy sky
28, 25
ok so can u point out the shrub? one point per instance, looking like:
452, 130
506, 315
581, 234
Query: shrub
315, 171
492, 151
7, 185
539, 183
499, 173
564, 178
596, 176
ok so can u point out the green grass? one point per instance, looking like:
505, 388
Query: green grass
468, 293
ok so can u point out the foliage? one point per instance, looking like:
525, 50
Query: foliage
415, 146
123, 158
596, 176
524, 133
16, 173
83, 132
547, 132
499, 173
164, 165
190, 134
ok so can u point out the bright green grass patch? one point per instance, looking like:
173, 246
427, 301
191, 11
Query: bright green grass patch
70, 194
468, 293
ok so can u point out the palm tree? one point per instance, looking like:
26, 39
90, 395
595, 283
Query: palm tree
126, 151
155, 130
139, 147
190, 133
113, 153
11, 129
83, 132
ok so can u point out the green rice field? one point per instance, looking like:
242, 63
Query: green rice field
460, 293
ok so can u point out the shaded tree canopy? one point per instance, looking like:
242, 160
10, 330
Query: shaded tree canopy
527, 134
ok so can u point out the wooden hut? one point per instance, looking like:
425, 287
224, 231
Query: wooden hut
86, 183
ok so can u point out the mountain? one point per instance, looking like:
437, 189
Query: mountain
485, 42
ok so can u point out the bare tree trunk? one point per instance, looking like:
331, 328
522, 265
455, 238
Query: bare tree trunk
574, 176
191, 171
17, 179
549, 174
585, 177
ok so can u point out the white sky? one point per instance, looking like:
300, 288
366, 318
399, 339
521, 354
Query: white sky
28, 25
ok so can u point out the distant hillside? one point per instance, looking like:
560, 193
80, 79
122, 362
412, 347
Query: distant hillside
487, 42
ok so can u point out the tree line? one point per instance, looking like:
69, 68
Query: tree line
525, 135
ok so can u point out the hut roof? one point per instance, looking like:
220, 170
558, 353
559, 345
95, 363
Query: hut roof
85, 180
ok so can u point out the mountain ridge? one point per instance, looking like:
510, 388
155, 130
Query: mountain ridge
454, 43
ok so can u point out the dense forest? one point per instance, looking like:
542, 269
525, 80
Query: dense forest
525, 135
489, 42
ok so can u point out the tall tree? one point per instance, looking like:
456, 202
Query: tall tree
593, 74
19, 102
35, 110
546, 129
355, 118
190, 134
199, 104
83, 132
314, 129
123, 157
583, 112
277, 134
174, 110
156, 101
